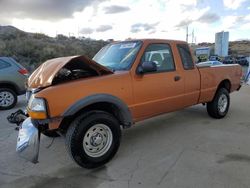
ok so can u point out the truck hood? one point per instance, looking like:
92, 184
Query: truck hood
44, 75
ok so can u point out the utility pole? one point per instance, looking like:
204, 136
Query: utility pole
77, 30
193, 37
187, 34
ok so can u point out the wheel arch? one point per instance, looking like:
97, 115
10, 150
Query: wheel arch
104, 102
225, 84
9, 85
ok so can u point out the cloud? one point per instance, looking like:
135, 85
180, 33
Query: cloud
208, 17
89, 30
43, 9
86, 31
184, 23
239, 21
236, 22
233, 4
4, 20
143, 27
103, 28
113, 9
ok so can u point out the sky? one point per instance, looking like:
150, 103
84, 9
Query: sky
122, 19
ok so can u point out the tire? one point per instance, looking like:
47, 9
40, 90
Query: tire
8, 98
51, 134
219, 106
90, 131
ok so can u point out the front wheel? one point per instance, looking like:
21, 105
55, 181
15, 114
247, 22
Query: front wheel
93, 139
219, 106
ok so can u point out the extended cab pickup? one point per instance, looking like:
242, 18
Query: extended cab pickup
90, 101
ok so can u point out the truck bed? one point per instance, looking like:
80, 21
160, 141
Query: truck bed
212, 76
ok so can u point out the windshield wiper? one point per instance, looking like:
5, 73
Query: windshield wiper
111, 68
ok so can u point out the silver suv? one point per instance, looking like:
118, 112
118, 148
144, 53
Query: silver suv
12, 82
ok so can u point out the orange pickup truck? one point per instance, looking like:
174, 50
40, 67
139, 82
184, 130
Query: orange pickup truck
91, 101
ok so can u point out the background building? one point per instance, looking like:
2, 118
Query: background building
202, 53
221, 43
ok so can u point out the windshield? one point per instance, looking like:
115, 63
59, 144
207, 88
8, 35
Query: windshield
119, 56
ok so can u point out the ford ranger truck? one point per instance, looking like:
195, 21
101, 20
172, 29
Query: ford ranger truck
90, 101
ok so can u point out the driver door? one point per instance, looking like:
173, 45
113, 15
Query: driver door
160, 91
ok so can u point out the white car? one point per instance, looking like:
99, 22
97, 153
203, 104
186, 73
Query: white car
209, 63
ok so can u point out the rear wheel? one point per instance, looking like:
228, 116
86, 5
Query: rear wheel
93, 139
219, 106
8, 98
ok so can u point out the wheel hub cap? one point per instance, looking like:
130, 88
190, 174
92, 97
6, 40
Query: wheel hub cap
223, 102
97, 140
6, 98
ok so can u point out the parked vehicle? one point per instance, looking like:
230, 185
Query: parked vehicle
229, 60
90, 101
12, 82
242, 61
214, 58
209, 63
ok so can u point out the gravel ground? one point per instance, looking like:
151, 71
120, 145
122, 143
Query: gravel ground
181, 149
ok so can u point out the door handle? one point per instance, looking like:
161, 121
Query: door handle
177, 78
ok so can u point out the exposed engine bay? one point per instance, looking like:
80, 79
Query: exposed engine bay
76, 69
64, 69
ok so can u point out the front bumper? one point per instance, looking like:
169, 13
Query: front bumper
28, 141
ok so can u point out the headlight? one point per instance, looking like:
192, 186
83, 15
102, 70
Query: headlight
37, 108
36, 104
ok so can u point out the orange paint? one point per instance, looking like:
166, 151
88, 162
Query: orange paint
146, 95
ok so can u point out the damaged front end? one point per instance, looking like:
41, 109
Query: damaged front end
64, 69
52, 72
28, 141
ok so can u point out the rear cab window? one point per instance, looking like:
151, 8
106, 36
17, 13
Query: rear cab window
186, 57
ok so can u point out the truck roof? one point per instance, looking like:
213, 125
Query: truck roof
154, 40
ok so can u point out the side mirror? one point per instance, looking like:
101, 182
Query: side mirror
147, 66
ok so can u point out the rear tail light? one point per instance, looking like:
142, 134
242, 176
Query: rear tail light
23, 72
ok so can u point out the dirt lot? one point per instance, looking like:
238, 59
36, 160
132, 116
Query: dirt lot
181, 149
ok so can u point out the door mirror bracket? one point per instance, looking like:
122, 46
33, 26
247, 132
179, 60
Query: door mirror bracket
147, 66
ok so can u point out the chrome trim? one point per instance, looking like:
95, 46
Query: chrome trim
31, 91
28, 141
225, 65
28, 95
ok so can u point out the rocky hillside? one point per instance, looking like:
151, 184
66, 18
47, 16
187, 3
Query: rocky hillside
240, 48
31, 49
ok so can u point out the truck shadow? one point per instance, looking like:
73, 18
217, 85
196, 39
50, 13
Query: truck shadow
168, 122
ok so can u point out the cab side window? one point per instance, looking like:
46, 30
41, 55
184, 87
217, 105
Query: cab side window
162, 55
186, 56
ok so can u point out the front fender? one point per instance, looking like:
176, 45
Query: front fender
124, 111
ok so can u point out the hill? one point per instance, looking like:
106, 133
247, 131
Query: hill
236, 48
31, 49
239, 48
